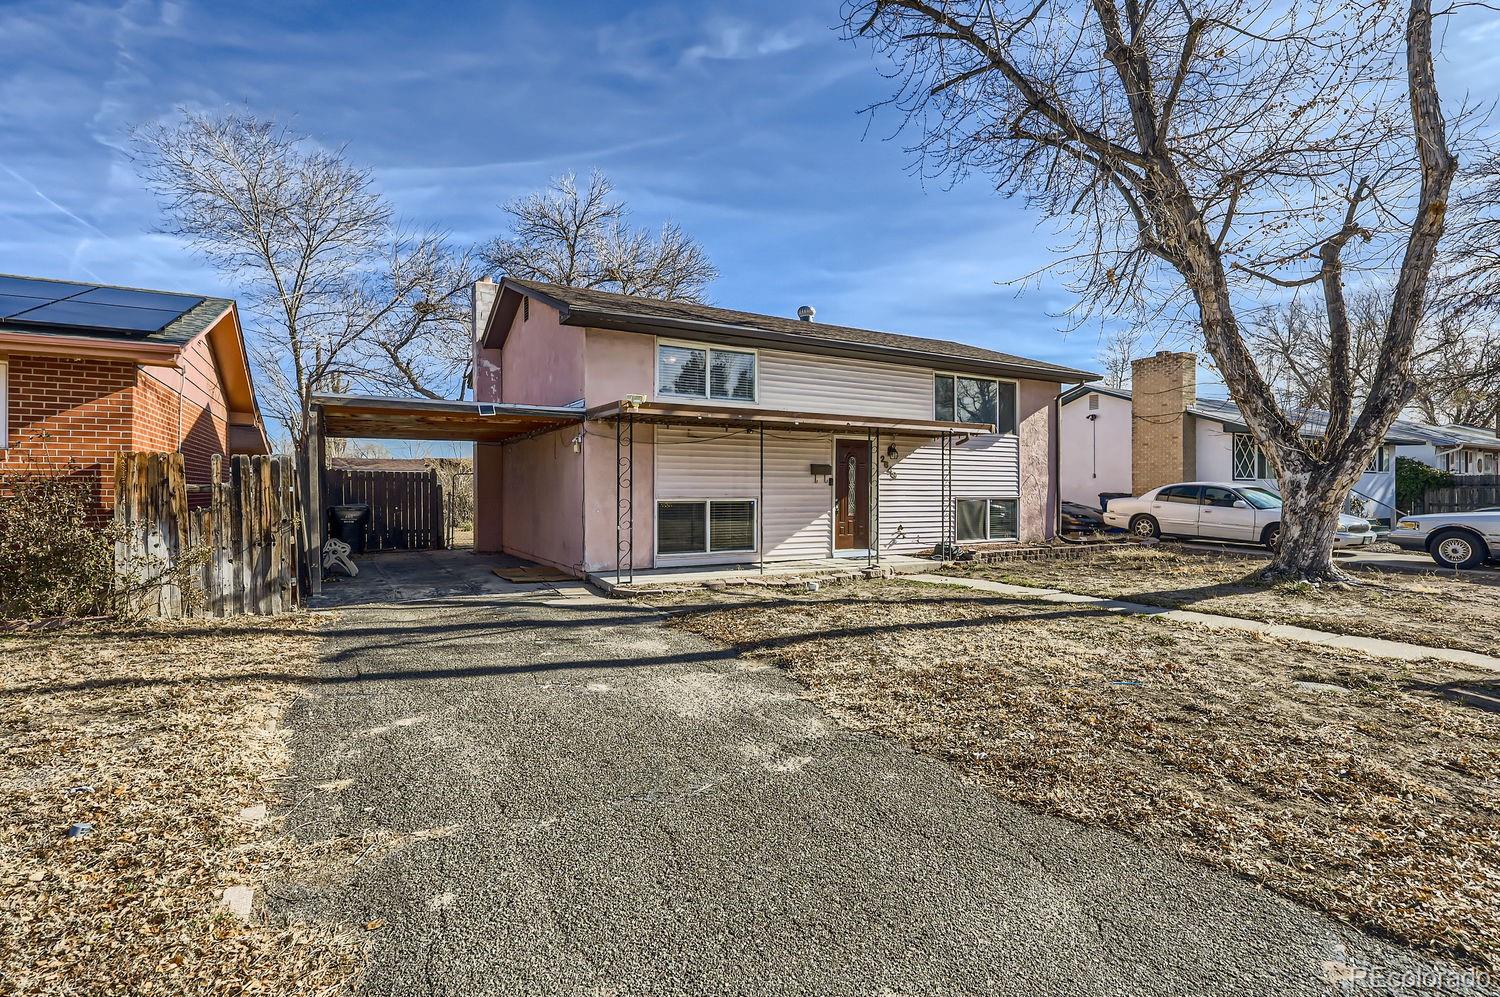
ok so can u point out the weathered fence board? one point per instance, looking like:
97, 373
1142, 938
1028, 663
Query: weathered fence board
406, 507
238, 553
1470, 491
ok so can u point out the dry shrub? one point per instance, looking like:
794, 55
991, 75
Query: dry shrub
56, 557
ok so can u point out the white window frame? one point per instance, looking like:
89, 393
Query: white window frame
708, 368
708, 540
1262, 464
987, 499
1380, 460
955, 374
4, 403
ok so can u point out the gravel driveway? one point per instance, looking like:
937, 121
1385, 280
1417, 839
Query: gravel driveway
532, 792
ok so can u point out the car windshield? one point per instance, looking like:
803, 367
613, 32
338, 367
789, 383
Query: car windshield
1260, 498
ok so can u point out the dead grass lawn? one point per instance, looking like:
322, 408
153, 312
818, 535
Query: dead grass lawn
1433, 608
159, 736
1342, 781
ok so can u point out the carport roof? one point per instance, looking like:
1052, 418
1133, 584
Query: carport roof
381, 418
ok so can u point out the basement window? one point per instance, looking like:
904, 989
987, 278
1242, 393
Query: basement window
960, 398
718, 526
705, 372
1250, 462
985, 519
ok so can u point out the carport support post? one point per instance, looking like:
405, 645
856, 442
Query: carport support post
624, 496
869, 500
760, 504
876, 498
313, 461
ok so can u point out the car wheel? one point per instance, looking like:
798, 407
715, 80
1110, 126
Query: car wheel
1145, 527
1271, 535
1457, 549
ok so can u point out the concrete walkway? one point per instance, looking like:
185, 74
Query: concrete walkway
1369, 645
550, 793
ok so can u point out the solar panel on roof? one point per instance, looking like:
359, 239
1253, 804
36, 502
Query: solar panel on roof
35, 287
92, 315
14, 304
139, 299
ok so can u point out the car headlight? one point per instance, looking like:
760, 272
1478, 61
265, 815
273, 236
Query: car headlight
1407, 524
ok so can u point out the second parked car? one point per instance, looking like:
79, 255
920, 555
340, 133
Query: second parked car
1218, 510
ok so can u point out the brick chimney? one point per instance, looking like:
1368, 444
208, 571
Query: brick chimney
1163, 444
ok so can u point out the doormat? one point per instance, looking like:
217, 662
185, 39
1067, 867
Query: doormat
532, 574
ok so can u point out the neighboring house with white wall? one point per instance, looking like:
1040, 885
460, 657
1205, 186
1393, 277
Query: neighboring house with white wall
1456, 449
711, 436
1159, 431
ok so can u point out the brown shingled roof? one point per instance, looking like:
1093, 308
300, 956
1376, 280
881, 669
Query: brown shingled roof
605, 309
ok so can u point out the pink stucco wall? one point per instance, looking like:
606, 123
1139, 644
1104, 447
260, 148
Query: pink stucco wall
617, 364
489, 496
542, 361
540, 511
1038, 432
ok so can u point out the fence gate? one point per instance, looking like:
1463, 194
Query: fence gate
406, 507
235, 554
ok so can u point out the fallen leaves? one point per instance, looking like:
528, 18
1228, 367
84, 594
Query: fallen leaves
159, 738
1339, 780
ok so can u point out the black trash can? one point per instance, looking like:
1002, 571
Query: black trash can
347, 523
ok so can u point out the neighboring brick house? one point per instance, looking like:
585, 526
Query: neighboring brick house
1160, 431
88, 371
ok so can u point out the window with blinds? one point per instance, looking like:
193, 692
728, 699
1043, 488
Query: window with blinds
719, 526
705, 372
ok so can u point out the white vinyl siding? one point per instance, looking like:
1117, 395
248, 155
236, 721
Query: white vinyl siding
911, 503
709, 463
696, 464
805, 382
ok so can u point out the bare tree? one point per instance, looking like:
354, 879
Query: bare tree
1200, 152
1116, 354
329, 280
1455, 360
583, 238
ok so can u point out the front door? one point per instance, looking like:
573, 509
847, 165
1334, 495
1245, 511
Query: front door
851, 495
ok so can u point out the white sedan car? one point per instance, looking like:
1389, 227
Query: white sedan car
1218, 510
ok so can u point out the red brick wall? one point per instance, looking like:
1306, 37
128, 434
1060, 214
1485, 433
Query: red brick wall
74, 412
69, 412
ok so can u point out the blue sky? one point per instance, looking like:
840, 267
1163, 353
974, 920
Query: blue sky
739, 121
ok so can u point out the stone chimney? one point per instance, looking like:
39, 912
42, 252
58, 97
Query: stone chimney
1163, 444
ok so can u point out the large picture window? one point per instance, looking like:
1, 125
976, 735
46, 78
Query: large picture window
1250, 462
979, 520
957, 398
720, 526
705, 372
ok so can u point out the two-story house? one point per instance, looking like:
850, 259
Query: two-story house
712, 436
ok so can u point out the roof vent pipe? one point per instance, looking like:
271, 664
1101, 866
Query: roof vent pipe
806, 313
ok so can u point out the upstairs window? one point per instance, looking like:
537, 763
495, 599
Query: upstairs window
959, 398
1250, 462
705, 372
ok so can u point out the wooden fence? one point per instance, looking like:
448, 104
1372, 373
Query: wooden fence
236, 554
1471, 491
406, 507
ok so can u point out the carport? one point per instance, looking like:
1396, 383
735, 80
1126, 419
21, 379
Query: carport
380, 418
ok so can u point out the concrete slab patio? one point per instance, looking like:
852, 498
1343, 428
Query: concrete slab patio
545, 792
